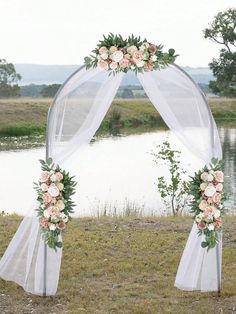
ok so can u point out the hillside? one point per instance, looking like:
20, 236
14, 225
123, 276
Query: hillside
49, 74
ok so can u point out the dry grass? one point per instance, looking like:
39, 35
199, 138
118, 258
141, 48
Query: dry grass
123, 265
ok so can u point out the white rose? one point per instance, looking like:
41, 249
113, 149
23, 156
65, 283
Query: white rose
154, 58
210, 190
117, 56
140, 63
64, 217
46, 214
53, 178
60, 186
60, 205
104, 56
210, 177
53, 190
52, 227
217, 213
199, 217
211, 227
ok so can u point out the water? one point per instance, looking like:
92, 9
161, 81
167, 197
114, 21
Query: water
114, 174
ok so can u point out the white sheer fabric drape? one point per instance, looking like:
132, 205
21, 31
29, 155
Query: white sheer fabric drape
74, 118
186, 112
76, 113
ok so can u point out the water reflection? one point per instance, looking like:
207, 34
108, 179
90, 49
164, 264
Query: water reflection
114, 174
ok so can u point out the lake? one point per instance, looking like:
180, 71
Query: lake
114, 174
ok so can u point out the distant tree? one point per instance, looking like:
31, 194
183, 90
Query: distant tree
32, 90
8, 80
127, 93
50, 90
222, 31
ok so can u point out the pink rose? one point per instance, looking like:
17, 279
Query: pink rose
44, 222
53, 211
61, 225
44, 187
103, 50
219, 187
218, 222
138, 56
148, 66
209, 200
219, 176
216, 197
59, 176
113, 65
44, 176
127, 56
209, 211
152, 48
54, 200
103, 64
47, 198
124, 63
201, 225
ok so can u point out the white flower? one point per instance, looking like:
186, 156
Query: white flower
217, 213
52, 227
154, 58
132, 49
64, 217
53, 177
199, 217
140, 63
104, 56
211, 227
117, 56
53, 190
46, 214
210, 177
132, 67
144, 46
210, 190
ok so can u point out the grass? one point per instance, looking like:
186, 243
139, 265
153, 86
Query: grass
123, 265
26, 116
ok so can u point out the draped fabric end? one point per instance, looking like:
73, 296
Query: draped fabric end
75, 115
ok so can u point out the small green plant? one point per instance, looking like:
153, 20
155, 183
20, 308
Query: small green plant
174, 193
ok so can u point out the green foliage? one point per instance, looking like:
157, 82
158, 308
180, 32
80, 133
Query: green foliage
222, 31
174, 193
52, 237
50, 90
211, 236
8, 80
163, 58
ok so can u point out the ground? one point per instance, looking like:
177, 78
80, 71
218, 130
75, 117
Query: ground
123, 265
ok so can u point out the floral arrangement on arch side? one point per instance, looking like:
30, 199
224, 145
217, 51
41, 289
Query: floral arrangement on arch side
207, 190
54, 188
116, 54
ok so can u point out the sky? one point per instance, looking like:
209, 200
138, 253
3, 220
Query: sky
65, 31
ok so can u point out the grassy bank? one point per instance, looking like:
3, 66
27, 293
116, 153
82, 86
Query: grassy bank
24, 117
123, 265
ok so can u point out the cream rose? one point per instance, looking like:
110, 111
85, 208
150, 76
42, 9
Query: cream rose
113, 49
52, 227
217, 213
104, 56
53, 177
103, 64
60, 205
46, 214
203, 205
53, 190
132, 49
117, 56
154, 58
103, 50
60, 186
113, 65
140, 63
64, 217
203, 186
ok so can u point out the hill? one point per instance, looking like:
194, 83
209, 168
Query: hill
50, 74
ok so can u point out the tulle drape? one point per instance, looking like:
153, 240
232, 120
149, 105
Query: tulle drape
75, 115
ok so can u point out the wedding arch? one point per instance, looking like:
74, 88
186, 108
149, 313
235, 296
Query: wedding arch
74, 116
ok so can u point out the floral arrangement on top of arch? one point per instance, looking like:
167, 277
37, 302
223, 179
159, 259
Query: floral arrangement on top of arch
116, 54
207, 190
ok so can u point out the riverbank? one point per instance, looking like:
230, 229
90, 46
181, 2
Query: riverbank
23, 120
123, 265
